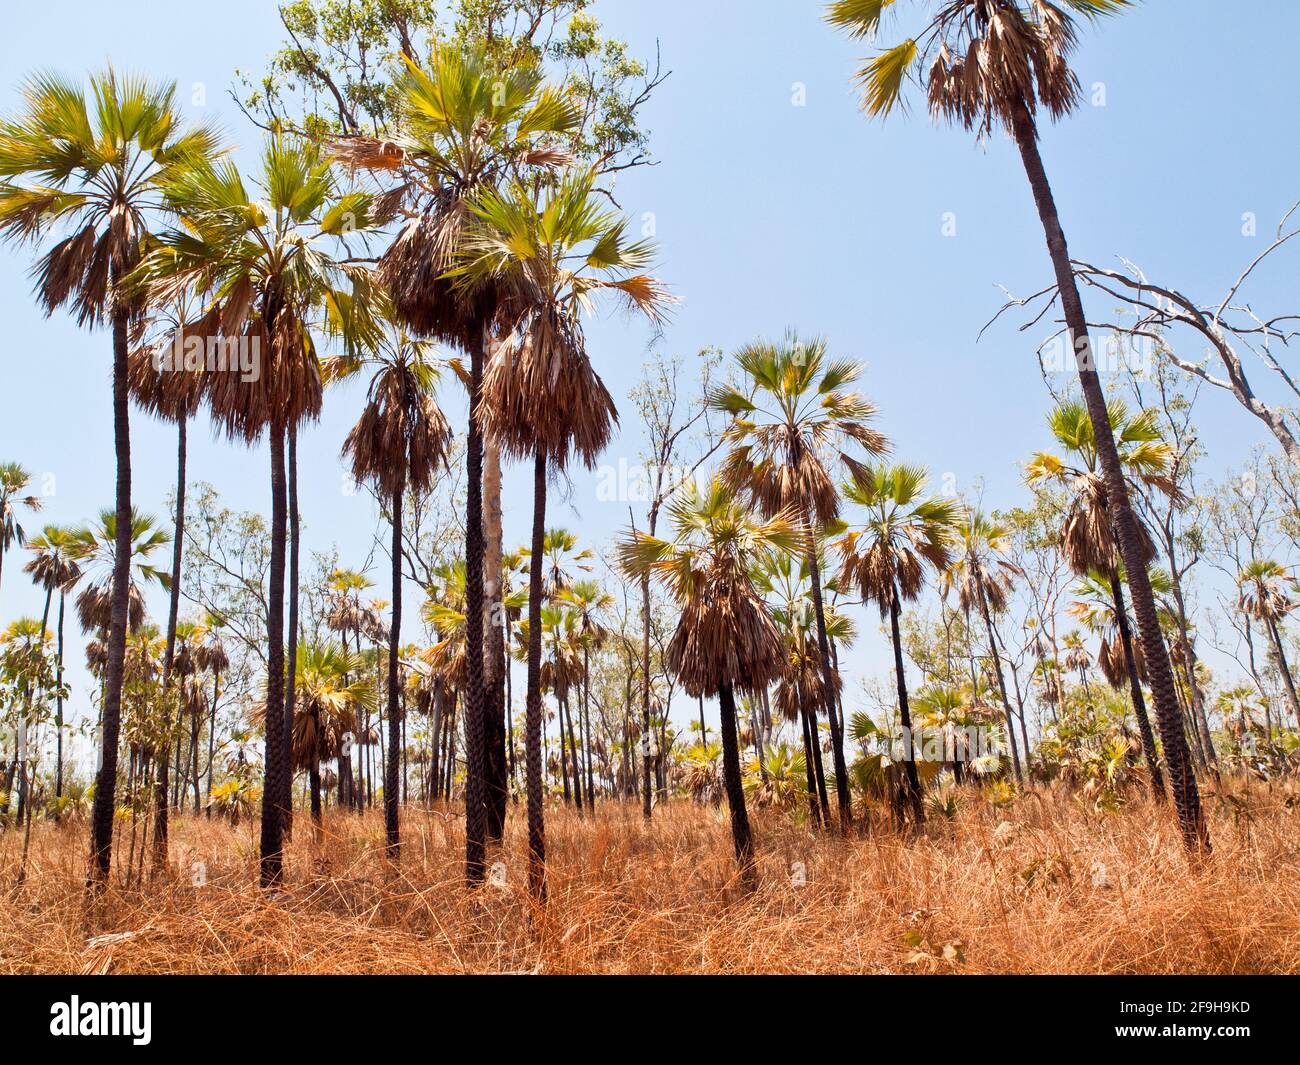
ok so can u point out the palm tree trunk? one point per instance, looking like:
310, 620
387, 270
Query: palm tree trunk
169, 655
212, 735
291, 680
828, 683
58, 706
101, 847
1002, 683
272, 842
1288, 681
1135, 687
533, 722
494, 727
1187, 799
586, 727
573, 753
905, 714
475, 762
392, 797
816, 812
741, 836
645, 693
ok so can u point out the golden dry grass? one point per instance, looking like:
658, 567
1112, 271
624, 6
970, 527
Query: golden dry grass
968, 896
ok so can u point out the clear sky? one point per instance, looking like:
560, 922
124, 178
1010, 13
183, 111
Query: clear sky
770, 214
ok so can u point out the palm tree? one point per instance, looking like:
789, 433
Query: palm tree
95, 172
54, 567
397, 445
466, 124
554, 251
1088, 534
212, 658
885, 558
1262, 597
335, 687
588, 601
95, 548
267, 260
13, 480
800, 692
993, 62
984, 580
794, 414
726, 638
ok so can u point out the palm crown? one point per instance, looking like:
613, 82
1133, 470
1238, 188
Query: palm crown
726, 635
981, 60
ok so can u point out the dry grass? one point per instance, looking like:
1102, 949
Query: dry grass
969, 896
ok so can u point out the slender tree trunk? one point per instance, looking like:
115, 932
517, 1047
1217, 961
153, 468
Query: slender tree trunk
1002, 683
816, 814
828, 684
741, 836
533, 722
105, 806
1135, 688
212, 736
645, 694
291, 680
169, 657
58, 706
1288, 682
392, 797
577, 756
494, 728
1187, 798
905, 714
272, 842
475, 760
586, 727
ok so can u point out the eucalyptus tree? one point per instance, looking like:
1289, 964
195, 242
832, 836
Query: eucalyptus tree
726, 639
272, 261
93, 171
795, 420
995, 63
886, 553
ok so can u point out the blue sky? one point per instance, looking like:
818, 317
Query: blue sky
770, 215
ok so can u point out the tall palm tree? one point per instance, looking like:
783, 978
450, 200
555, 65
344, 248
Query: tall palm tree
589, 601
213, 658
1088, 535
95, 549
465, 125
1262, 597
794, 416
554, 251
336, 688
94, 170
54, 567
726, 638
885, 557
984, 578
800, 692
988, 63
269, 258
13, 481
397, 445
